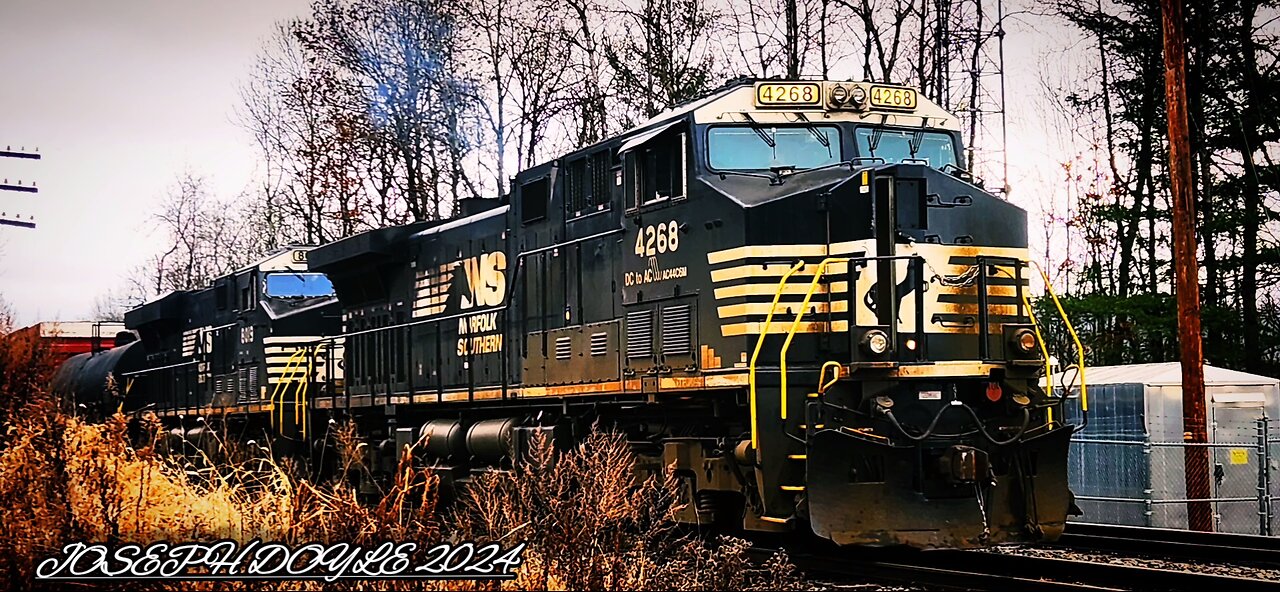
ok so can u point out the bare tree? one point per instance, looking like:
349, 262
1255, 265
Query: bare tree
403, 58
666, 58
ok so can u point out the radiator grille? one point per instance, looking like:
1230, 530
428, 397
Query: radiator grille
676, 334
640, 334
564, 347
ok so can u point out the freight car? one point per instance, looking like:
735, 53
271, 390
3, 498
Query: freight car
788, 293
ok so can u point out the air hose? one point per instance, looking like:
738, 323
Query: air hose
928, 432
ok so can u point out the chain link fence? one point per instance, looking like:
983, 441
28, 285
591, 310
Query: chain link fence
1133, 480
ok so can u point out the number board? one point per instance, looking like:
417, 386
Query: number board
778, 94
892, 97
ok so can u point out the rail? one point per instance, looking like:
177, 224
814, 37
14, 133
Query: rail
992, 570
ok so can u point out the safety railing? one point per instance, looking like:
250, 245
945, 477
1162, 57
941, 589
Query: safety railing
820, 269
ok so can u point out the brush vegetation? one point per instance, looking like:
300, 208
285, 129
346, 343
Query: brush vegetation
585, 521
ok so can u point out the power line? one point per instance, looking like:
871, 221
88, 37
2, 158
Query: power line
6, 221
7, 186
9, 152
21, 153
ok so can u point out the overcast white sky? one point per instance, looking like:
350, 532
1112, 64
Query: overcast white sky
120, 96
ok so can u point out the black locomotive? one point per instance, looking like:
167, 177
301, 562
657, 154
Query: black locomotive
788, 293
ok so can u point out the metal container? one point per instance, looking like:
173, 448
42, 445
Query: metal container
1127, 466
491, 439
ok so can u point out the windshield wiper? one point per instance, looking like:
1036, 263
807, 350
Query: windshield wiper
873, 141
917, 138
774, 179
849, 163
817, 135
759, 130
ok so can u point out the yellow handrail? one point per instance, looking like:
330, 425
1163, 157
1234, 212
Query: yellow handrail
823, 386
1035, 325
1084, 390
286, 377
311, 365
764, 332
804, 306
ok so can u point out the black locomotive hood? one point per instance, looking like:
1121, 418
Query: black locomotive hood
278, 308
751, 191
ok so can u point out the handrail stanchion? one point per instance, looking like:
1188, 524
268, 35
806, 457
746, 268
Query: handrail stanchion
764, 332
795, 325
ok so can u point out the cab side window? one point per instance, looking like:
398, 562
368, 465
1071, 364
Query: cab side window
660, 168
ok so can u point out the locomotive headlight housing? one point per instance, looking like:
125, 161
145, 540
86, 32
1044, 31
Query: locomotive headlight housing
839, 95
858, 96
1025, 341
875, 342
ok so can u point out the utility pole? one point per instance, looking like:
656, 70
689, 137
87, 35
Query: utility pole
1186, 271
5, 185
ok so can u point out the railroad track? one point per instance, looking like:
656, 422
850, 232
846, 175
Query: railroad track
1167, 543
985, 570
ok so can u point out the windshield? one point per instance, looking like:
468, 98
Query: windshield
744, 148
298, 285
894, 145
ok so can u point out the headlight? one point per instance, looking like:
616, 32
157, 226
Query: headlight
1025, 341
875, 342
858, 96
839, 95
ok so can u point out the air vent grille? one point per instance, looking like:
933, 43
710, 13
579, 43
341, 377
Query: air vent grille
599, 344
640, 334
564, 347
676, 334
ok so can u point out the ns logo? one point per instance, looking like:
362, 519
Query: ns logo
486, 280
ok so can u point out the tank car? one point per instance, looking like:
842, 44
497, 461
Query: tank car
790, 293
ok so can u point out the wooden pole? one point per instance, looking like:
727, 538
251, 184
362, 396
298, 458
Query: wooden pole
1186, 270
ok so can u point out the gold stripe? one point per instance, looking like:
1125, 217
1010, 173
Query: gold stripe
422, 301
797, 289
784, 308
775, 270
967, 308
797, 251
573, 389
722, 380
950, 368
746, 251
753, 328
434, 281
285, 352
680, 382
972, 291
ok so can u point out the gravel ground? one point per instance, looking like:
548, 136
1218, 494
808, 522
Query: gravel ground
1269, 574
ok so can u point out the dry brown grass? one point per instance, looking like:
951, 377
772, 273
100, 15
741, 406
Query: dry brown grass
587, 525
